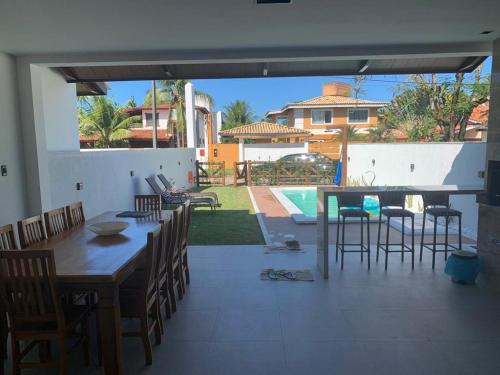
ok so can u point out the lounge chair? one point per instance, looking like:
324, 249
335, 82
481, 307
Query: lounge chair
178, 197
171, 188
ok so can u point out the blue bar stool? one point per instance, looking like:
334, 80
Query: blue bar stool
392, 205
437, 204
350, 205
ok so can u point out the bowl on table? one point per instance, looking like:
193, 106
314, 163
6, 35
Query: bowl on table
108, 228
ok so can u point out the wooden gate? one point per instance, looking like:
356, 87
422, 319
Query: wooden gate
210, 173
291, 173
240, 173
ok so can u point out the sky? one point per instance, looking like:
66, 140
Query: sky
264, 94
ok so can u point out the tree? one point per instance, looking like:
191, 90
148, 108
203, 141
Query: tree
238, 113
173, 92
358, 86
424, 105
106, 119
352, 133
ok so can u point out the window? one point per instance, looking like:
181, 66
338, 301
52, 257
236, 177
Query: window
357, 116
282, 120
149, 116
321, 117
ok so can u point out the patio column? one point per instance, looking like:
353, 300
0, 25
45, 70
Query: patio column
190, 116
218, 126
241, 149
489, 216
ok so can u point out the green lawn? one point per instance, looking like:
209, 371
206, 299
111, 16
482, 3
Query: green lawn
234, 223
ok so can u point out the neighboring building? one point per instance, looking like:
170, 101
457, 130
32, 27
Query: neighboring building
325, 115
477, 127
266, 132
141, 136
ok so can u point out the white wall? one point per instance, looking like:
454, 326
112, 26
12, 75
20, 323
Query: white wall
106, 176
12, 186
271, 151
435, 164
59, 111
162, 118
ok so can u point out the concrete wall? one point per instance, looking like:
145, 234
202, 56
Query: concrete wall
59, 111
106, 176
434, 164
162, 118
12, 186
271, 151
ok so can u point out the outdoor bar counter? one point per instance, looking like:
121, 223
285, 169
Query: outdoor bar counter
325, 192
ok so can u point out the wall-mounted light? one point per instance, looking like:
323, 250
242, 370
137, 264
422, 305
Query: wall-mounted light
412, 167
373, 162
131, 173
364, 66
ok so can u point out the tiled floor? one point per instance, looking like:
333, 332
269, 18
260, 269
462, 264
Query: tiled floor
357, 322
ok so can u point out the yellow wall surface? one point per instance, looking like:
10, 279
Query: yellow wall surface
227, 152
340, 118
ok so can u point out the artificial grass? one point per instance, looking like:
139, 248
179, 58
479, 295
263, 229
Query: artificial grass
234, 223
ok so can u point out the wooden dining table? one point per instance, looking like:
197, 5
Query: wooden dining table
88, 262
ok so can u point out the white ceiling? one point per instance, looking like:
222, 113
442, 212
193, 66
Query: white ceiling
104, 26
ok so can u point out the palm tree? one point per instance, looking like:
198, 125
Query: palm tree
238, 113
173, 92
106, 119
352, 133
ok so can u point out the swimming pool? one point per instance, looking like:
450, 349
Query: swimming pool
304, 201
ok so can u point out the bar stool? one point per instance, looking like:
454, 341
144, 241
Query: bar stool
350, 205
392, 205
437, 204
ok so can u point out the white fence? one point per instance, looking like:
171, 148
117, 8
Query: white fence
422, 164
106, 175
271, 151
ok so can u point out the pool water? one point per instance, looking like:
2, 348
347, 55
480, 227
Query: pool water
306, 201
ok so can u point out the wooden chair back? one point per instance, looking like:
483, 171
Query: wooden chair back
166, 238
7, 238
147, 202
28, 289
151, 261
31, 230
75, 215
177, 225
187, 219
56, 221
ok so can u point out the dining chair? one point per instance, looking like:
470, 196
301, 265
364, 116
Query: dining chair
7, 242
31, 231
184, 242
28, 289
138, 296
7, 238
75, 215
56, 221
178, 276
150, 202
162, 268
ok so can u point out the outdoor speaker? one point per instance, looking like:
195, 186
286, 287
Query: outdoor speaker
493, 186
